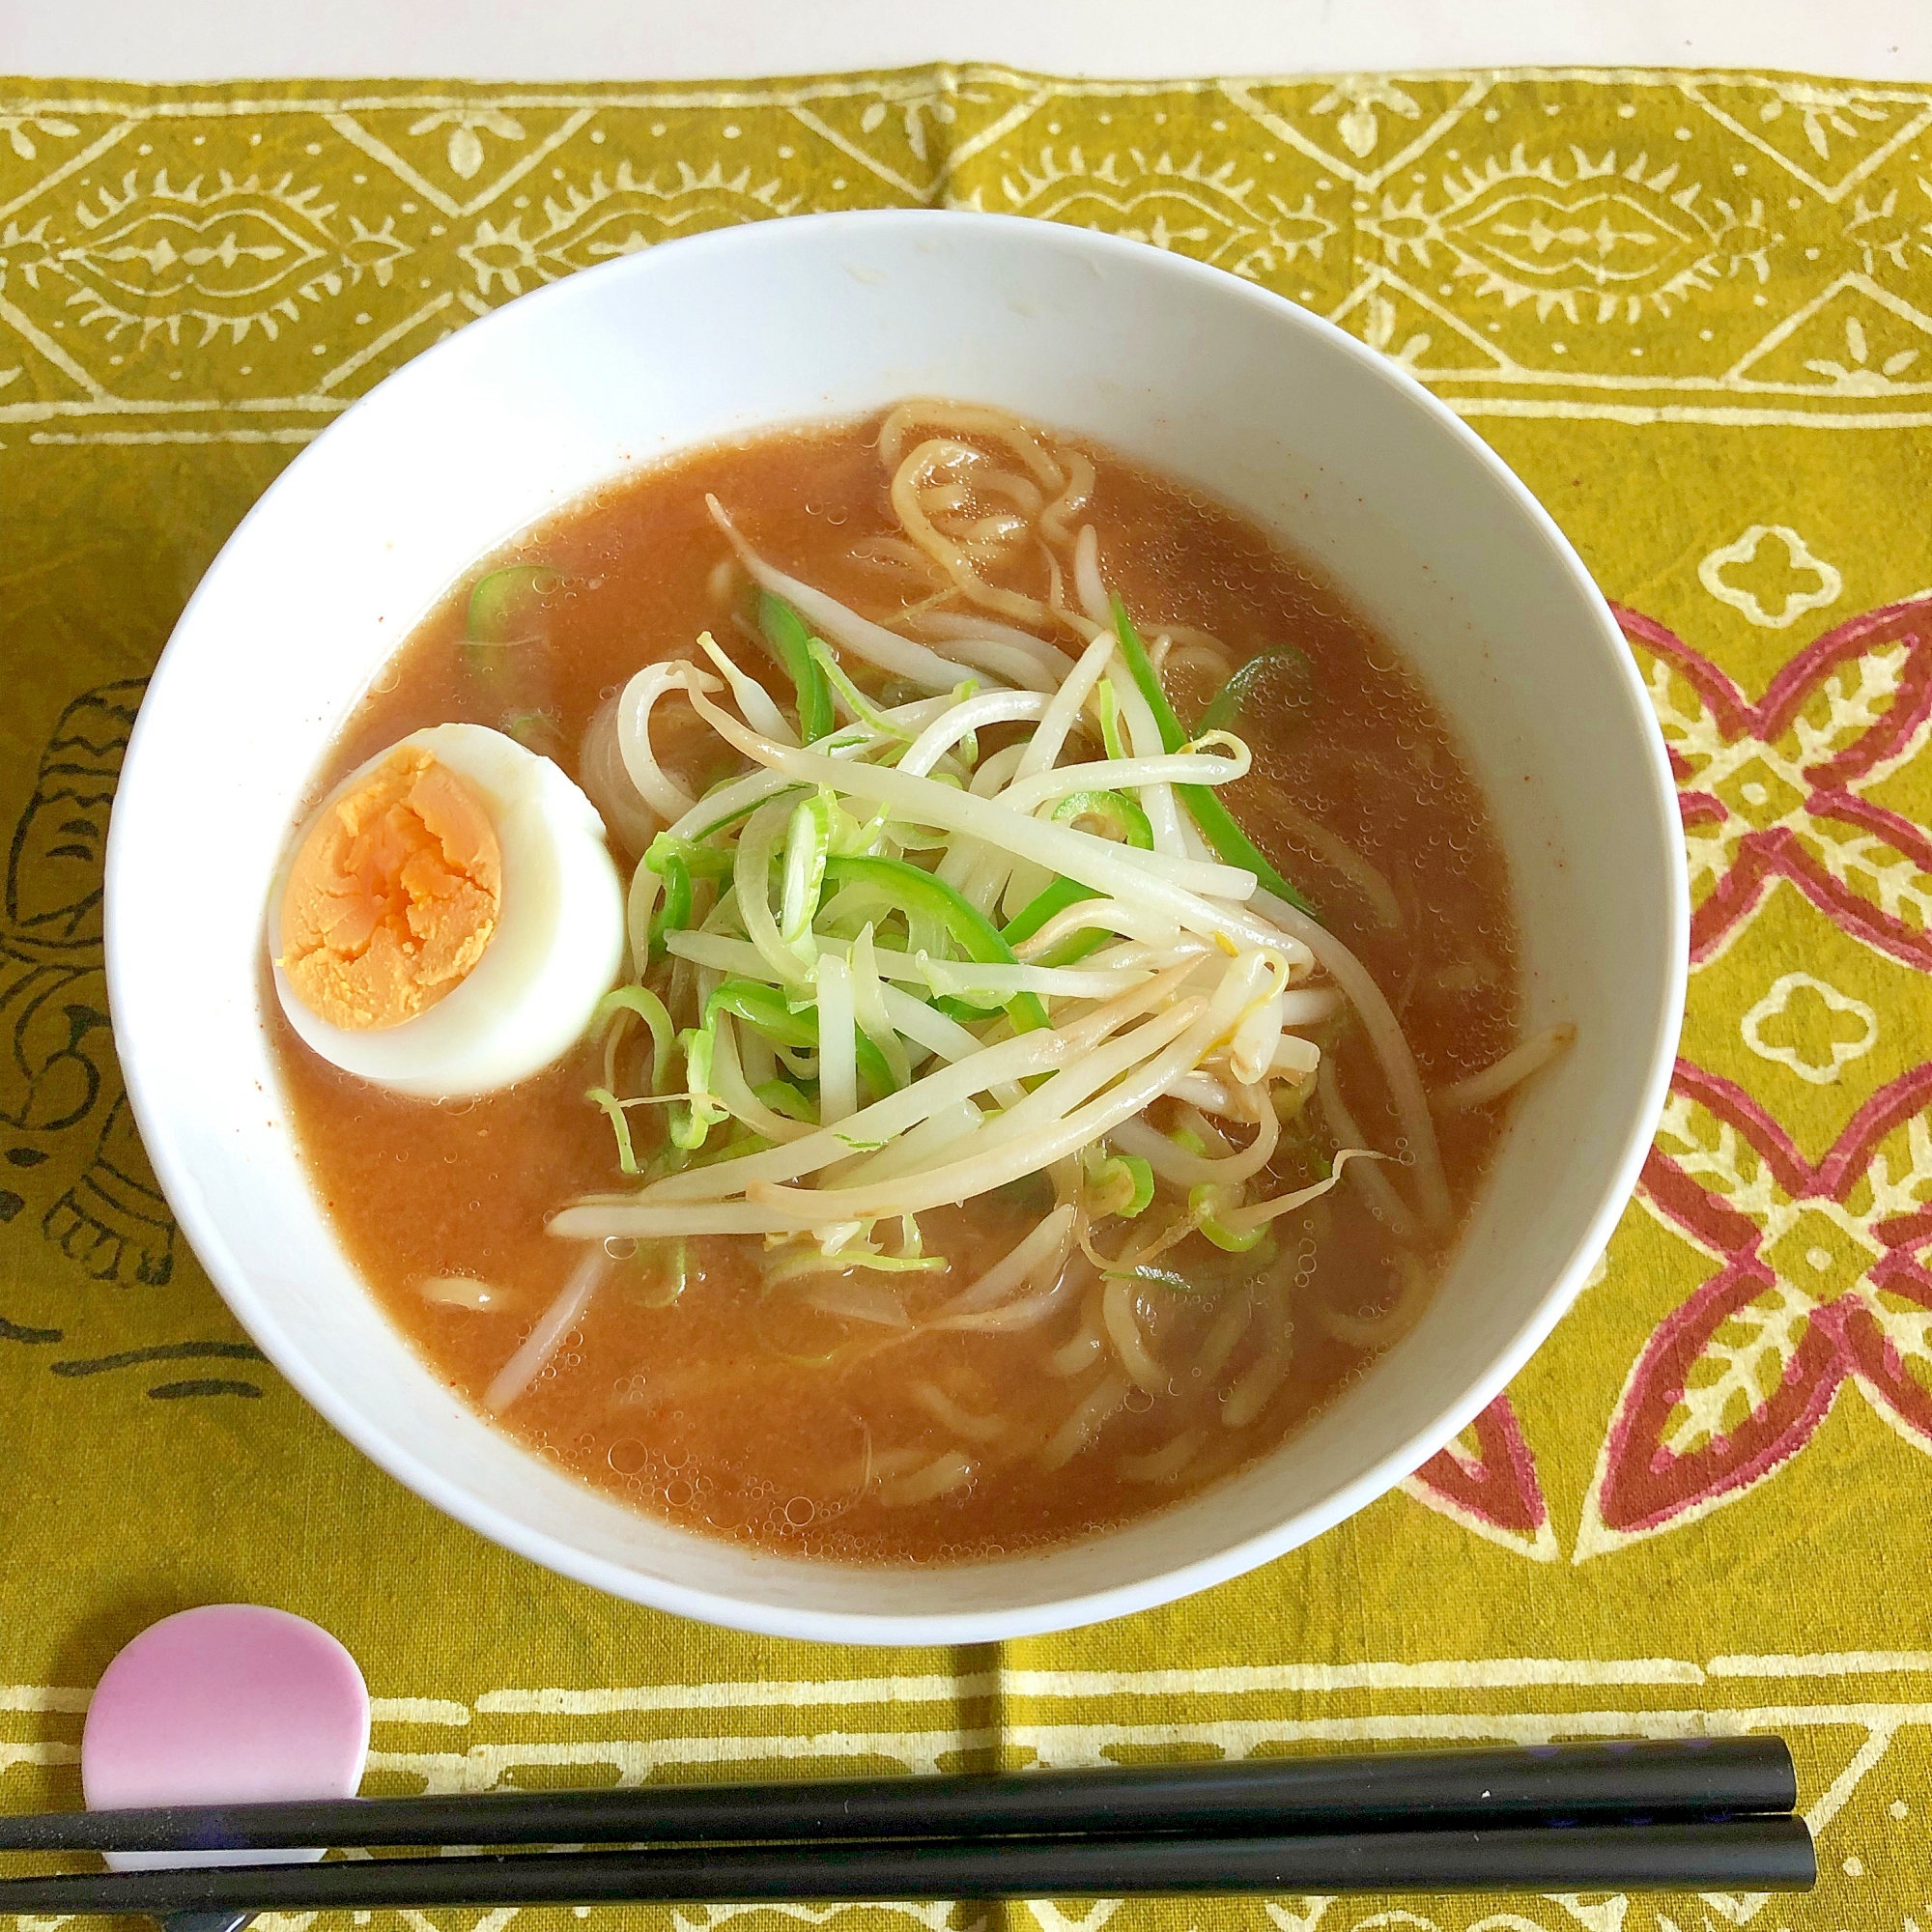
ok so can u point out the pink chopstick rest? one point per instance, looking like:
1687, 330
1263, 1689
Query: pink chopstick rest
228, 1704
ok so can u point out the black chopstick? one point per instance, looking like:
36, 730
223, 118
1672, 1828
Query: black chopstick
1660, 1780
1741, 1855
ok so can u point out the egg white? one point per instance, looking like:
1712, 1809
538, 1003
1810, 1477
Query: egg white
557, 949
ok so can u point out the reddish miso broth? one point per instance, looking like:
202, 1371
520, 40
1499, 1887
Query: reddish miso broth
729, 1397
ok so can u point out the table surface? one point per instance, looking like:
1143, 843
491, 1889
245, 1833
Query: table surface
672, 40
1692, 310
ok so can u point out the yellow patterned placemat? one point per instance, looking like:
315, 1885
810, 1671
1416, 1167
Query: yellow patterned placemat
1694, 311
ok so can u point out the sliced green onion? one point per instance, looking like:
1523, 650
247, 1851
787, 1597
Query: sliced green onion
1120, 1183
837, 1030
696, 840
1156, 1276
656, 1273
700, 860
613, 1112
783, 1098
809, 1261
674, 915
747, 1143
1110, 719
501, 601
925, 895
784, 631
853, 834
790, 1349
808, 843
1216, 822
869, 1008
1280, 662
764, 1009
539, 731
692, 1121
909, 838
1113, 813
872, 1067
675, 1254
1143, 1179
1206, 1204
649, 1009
678, 1257
854, 700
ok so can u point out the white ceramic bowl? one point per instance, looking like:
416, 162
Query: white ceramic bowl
1179, 366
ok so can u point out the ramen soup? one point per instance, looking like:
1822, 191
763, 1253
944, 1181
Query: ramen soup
897, 992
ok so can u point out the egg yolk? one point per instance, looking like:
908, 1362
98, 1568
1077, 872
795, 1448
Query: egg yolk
393, 896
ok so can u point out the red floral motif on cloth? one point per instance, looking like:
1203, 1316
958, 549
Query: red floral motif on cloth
1771, 789
1487, 1481
1733, 1382
1819, 1271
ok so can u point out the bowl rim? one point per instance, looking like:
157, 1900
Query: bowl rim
927, 1627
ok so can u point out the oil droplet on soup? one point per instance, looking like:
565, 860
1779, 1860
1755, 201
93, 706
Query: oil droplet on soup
765, 1409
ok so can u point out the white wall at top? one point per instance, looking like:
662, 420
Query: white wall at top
672, 40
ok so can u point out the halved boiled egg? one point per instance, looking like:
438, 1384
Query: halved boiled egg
450, 917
